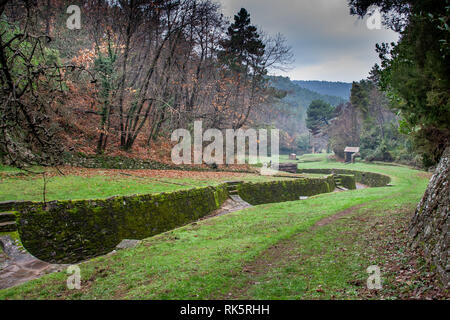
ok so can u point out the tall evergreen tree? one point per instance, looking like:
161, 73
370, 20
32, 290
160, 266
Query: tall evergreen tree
243, 47
318, 114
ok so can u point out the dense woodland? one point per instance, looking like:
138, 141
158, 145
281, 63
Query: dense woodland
366, 121
137, 69
415, 72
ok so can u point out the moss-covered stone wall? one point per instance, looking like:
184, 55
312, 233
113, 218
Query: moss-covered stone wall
72, 231
287, 190
347, 180
368, 178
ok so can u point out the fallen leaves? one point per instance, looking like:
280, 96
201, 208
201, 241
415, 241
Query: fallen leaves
404, 270
169, 174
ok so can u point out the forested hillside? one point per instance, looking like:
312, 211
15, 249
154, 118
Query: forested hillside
303, 97
289, 112
124, 81
339, 89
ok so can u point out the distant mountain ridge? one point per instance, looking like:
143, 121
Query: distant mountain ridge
339, 89
288, 113
302, 97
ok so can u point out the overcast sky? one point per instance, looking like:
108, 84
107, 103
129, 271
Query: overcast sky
327, 42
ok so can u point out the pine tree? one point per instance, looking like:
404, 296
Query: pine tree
318, 114
243, 47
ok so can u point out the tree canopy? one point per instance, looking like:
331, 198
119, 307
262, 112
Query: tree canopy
415, 72
243, 47
319, 112
149, 67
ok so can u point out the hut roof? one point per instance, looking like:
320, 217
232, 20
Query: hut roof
352, 149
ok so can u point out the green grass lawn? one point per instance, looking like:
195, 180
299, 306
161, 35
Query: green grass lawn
317, 157
17, 185
235, 256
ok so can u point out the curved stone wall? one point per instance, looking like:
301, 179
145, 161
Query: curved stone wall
287, 190
72, 231
347, 181
370, 179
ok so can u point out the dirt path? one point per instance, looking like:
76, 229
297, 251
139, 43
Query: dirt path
334, 217
282, 251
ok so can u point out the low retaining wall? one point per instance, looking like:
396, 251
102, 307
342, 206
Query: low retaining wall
347, 181
368, 178
72, 231
280, 191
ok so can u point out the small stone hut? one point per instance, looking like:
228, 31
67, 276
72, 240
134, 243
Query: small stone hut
351, 153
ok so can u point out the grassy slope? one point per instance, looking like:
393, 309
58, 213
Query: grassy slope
209, 259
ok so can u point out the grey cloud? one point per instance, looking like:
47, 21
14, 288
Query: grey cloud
328, 43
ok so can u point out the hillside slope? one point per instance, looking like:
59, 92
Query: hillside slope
339, 89
289, 113
303, 96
